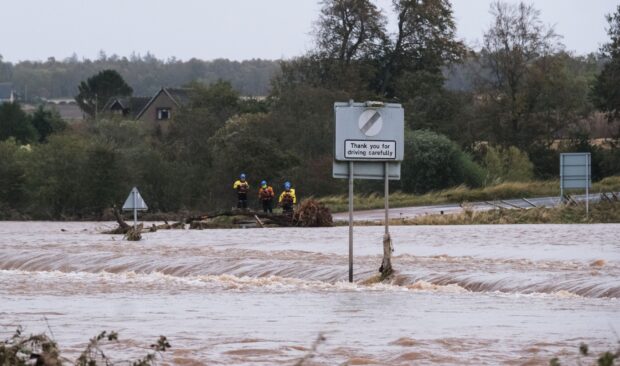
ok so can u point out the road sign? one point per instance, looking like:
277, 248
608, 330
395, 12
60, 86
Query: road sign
134, 201
575, 172
369, 132
369, 144
370, 122
366, 170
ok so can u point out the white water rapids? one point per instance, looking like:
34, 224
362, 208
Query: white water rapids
462, 294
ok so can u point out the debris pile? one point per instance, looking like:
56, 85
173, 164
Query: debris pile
312, 213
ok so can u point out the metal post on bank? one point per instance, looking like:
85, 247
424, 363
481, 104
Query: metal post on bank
351, 196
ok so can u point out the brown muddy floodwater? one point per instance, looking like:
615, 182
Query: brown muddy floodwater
515, 294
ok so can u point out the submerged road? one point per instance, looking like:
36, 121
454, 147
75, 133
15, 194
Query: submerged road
452, 208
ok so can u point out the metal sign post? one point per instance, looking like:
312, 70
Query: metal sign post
387, 240
135, 203
350, 221
369, 144
587, 184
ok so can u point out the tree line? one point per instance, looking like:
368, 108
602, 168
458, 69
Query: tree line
519, 102
146, 74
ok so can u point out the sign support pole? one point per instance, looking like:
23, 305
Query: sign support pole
561, 178
386, 263
587, 187
350, 221
135, 211
387, 201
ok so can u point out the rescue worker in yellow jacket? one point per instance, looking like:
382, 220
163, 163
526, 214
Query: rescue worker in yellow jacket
266, 195
287, 198
242, 187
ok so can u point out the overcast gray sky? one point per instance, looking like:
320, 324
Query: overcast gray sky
233, 29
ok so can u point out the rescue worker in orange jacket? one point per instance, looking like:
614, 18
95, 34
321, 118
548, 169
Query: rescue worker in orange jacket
266, 195
242, 187
287, 198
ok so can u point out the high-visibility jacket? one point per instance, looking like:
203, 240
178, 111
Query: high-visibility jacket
288, 196
266, 193
241, 187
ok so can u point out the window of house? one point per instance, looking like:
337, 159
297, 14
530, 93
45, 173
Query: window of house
163, 113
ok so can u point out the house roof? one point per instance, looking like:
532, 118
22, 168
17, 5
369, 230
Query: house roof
180, 97
5, 90
132, 104
136, 105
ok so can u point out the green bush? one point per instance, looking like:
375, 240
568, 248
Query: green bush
14, 122
507, 165
433, 162
54, 172
12, 174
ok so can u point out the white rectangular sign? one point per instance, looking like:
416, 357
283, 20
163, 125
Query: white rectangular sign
370, 150
358, 123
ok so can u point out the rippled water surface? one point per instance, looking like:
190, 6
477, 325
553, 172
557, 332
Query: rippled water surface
518, 294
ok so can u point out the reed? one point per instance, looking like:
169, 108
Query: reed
602, 212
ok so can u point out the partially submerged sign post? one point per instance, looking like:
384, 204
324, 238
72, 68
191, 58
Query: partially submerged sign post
369, 144
135, 203
575, 173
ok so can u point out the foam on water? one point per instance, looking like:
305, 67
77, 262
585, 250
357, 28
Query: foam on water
466, 294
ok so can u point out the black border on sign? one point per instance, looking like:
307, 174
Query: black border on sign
369, 159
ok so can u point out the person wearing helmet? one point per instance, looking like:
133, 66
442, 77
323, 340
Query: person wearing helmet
242, 187
287, 198
266, 195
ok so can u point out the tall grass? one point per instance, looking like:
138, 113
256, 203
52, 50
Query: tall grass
463, 194
602, 212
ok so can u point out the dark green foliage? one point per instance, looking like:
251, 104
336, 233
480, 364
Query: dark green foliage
95, 92
15, 123
434, 162
55, 172
219, 99
605, 91
245, 144
103, 179
424, 43
47, 122
355, 52
607, 359
12, 175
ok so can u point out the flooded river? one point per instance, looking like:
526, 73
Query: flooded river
518, 294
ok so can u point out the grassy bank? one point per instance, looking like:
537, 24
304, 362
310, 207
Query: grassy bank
602, 212
464, 194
